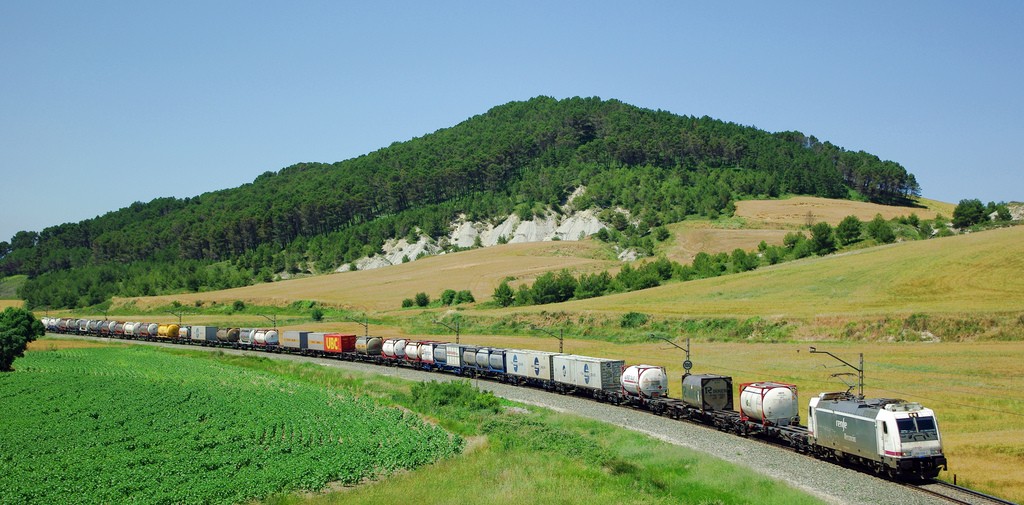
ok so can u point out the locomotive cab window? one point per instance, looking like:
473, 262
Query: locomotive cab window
917, 429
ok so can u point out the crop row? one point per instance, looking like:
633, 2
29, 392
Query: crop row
116, 425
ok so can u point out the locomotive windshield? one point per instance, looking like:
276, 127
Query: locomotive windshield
917, 429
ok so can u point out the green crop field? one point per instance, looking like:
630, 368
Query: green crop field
120, 424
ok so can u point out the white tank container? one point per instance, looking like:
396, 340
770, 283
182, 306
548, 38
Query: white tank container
271, 337
770, 403
245, 335
388, 349
129, 329
646, 381
152, 329
259, 337
400, 348
427, 352
412, 351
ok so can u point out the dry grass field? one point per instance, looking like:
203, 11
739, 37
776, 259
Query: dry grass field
479, 271
794, 211
975, 273
690, 238
11, 303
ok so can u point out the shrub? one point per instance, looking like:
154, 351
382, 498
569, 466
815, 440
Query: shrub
448, 297
633, 320
422, 299
407, 303
464, 296
238, 306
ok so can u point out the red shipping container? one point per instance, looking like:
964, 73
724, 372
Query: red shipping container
336, 343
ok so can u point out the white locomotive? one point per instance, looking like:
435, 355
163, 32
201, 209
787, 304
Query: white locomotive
893, 437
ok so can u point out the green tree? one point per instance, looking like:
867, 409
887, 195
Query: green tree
880, 230
422, 299
503, 294
464, 296
849, 230
968, 212
823, 240
448, 297
593, 285
18, 327
317, 314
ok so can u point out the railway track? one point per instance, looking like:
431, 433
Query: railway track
935, 489
958, 494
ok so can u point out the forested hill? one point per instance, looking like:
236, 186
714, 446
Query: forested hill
516, 157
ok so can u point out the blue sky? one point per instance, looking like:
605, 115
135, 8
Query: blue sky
106, 103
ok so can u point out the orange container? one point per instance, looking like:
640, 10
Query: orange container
337, 343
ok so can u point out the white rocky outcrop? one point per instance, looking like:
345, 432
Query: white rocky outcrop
395, 252
464, 233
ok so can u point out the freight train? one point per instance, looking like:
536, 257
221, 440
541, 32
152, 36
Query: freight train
893, 438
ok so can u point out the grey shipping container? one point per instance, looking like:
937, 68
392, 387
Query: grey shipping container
204, 333
295, 339
708, 391
587, 372
315, 340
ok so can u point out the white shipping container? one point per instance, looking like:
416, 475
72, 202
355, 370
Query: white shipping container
453, 355
205, 333
586, 372
529, 364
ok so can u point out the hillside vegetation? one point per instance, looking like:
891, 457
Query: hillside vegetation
973, 273
520, 157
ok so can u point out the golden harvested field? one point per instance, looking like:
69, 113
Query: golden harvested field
793, 211
688, 240
11, 303
479, 271
975, 273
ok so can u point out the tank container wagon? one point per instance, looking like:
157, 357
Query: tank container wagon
369, 349
644, 382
